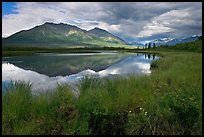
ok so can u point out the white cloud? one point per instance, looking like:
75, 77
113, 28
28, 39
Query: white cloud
131, 19
30, 14
164, 22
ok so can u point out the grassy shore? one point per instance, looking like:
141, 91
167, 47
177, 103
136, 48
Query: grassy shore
168, 102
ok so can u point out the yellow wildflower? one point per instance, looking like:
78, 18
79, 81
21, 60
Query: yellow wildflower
140, 108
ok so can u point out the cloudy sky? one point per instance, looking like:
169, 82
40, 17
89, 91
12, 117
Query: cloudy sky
132, 21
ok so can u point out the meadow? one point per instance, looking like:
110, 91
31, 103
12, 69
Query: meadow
167, 102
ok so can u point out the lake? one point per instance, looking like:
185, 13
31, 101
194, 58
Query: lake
46, 70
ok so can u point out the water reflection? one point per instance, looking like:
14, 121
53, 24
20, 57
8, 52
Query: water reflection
137, 63
65, 64
149, 56
121, 65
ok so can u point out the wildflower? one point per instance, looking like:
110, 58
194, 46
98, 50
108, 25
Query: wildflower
129, 111
140, 108
145, 113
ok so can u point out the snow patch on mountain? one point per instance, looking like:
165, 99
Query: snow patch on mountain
173, 41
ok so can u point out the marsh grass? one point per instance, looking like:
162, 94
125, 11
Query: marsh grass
167, 102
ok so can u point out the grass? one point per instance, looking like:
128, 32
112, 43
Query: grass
168, 102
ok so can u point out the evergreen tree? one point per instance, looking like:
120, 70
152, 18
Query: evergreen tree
149, 46
154, 45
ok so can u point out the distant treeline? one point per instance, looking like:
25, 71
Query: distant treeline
195, 46
19, 51
15, 48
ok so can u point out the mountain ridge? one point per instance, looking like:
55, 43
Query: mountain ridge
173, 41
61, 33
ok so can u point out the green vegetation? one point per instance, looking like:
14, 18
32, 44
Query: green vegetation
20, 51
103, 44
190, 46
195, 46
61, 35
168, 102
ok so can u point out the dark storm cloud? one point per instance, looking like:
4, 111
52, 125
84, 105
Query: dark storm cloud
132, 18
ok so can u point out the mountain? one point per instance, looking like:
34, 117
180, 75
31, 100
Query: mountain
171, 41
106, 36
137, 43
47, 33
99, 32
190, 39
162, 41
51, 34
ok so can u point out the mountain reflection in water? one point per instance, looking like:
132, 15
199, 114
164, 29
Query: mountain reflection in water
104, 65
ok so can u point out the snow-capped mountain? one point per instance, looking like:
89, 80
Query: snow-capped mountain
189, 39
173, 41
162, 41
136, 43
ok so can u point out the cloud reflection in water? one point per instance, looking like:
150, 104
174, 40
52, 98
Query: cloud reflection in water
131, 64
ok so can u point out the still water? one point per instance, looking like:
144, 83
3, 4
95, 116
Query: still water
45, 71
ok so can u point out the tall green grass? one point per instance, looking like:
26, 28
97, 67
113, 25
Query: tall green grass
47, 113
168, 102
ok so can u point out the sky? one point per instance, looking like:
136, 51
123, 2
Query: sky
132, 21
